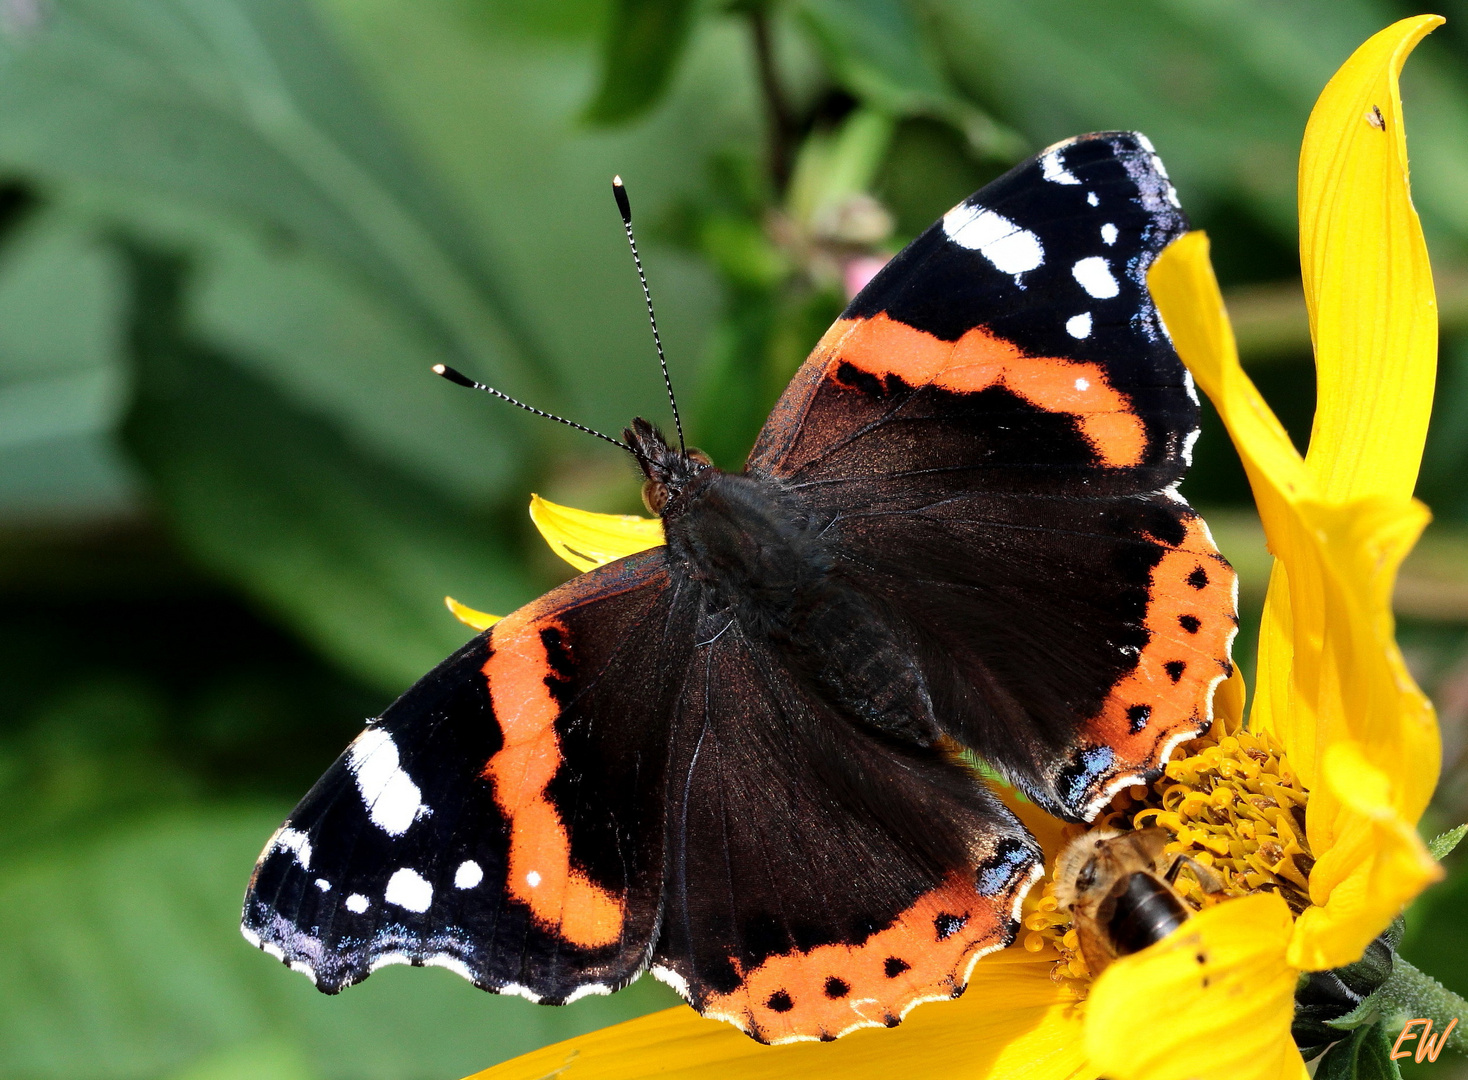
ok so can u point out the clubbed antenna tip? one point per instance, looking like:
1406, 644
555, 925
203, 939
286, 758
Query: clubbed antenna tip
624, 206
619, 192
453, 376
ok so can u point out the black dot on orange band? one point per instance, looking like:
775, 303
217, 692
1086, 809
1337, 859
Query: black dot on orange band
1175, 669
1190, 623
837, 988
780, 1002
1198, 579
947, 925
895, 966
1137, 717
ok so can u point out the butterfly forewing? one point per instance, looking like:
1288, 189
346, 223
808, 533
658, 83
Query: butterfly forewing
505, 817
995, 430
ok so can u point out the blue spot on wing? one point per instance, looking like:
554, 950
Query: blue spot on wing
1076, 779
1009, 862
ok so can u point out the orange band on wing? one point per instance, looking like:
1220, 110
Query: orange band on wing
1191, 623
883, 346
540, 874
924, 955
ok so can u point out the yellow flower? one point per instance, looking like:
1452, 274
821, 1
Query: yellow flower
1336, 715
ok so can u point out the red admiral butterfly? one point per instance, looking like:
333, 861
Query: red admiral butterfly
734, 758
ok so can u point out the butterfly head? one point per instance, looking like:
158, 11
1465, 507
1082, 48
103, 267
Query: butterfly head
666, 469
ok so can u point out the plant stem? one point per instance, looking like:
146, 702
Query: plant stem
1409, 993
782, 125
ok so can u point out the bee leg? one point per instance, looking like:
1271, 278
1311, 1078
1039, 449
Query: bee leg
1206, 878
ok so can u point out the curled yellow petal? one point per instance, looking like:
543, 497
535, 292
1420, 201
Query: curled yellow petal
1375, 866
1013, 1023
1186, 292
1213, 1000
1329, 668
468, 616
1368, 284
587, 540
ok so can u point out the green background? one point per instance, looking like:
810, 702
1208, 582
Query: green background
235, 234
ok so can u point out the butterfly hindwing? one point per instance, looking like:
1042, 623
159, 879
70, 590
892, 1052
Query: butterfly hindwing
505, 817
822, 877
995, 430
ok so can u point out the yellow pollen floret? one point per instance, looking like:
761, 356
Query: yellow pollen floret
1231, 802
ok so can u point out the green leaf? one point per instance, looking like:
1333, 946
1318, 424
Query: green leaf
248, 106
1443, 845
832, 167
644, 41
349, 548
61, 378
121, 959
877, 50
1363, 1055
1222, 89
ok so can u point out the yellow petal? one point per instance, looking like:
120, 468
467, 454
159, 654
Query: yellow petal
1368, 284
1187, 295
1329, 667
587, 540
468, 616
1213, 1000
1375, 866
1013, 1023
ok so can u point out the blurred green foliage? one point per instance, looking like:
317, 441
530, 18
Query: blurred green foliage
234, 235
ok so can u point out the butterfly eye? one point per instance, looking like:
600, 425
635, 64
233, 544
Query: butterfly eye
654, 496
699, 457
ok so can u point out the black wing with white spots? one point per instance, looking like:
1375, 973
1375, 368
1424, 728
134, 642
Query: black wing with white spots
504, 818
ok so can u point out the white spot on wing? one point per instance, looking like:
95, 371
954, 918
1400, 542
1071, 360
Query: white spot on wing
323, 884
533, 878
1054, 169
1083, 385
387, 959
1189, 441
1094, 274
468, 875
585, 990
356, 903
407, 889
1108, 234
671, 978
1079, 326
1145, 143
522, 991
453, 963
1190, 386
393, 801
1092, 198
1011, 249
296, 842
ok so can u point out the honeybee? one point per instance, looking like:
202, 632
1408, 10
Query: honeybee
1120, 896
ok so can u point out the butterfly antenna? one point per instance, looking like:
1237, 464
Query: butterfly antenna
619, 191
460, 379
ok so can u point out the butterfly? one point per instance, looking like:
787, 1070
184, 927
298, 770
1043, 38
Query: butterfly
736, 759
